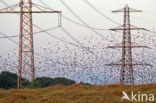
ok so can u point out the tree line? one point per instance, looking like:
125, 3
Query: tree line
9, 80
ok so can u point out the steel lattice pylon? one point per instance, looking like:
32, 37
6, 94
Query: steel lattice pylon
126, 50
126, 62
26, 48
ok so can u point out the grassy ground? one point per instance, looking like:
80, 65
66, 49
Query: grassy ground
74, 94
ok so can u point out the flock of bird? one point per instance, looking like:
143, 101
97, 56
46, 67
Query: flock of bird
86, 61
87, 64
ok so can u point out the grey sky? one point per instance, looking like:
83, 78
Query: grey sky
10, 22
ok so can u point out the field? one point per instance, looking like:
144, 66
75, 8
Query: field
75, 94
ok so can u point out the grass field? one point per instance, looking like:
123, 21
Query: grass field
75, 94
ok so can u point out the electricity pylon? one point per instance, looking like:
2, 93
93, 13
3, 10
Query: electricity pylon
26, 47
126, 62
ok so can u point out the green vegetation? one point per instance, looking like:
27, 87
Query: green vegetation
62, 90
45, 82
9, 80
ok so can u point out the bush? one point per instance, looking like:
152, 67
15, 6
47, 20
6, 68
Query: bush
8, 80
63, 81
45, 82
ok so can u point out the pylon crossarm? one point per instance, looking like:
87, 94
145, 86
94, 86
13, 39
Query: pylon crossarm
119, 10
127, 46
26, 45
29, 12
142, 63
127, 11
128, 64
134, 10
124, 10
11, 9
116, 62
132, 27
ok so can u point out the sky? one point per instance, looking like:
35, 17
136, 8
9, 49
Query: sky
10, 22
146, 19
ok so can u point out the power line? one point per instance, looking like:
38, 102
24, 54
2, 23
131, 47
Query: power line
26, 41
67, 18
82, 24
14, 36
55, 27
93, 7
87, 2
45, 31
57, 62
74, 21
76, 15
126, 62
76, 45
83, 21
4, 35
62, 28
42, 55
3, 2
142, 19
85, 24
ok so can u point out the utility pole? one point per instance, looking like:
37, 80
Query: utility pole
126, 63
26, 47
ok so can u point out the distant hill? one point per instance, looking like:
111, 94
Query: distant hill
77, 93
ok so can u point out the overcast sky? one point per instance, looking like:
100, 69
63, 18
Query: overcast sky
10, 22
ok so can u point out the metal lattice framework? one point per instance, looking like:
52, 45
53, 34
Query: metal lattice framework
26, 48
126, 62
